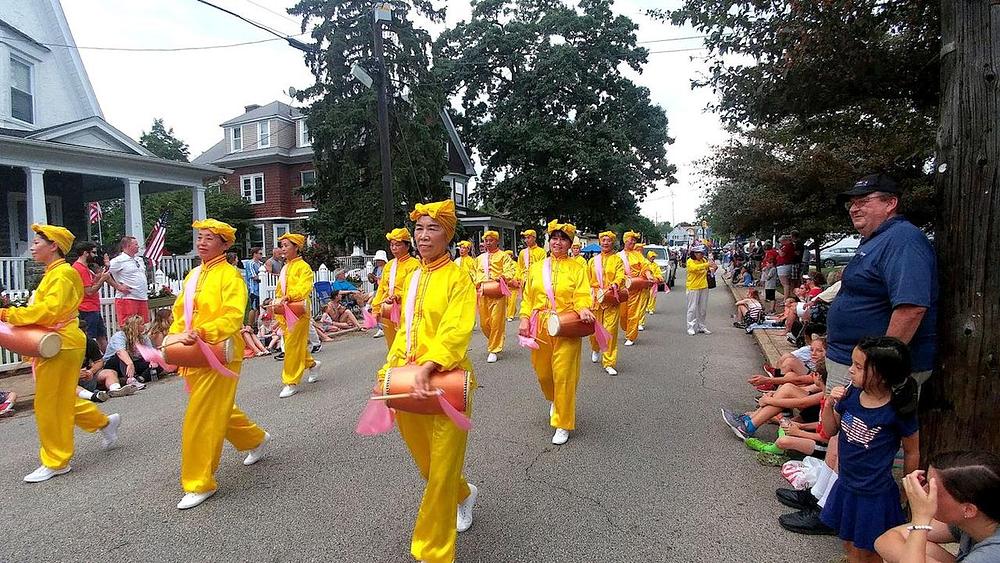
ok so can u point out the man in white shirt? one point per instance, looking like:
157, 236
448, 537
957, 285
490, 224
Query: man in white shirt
128, 277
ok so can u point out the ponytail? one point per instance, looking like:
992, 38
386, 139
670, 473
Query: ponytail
904, 397
887, 365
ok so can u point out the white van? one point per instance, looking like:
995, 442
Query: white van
666, 259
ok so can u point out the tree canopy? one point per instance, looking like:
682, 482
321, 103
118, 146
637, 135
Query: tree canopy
560, 129
161, 141
342, 117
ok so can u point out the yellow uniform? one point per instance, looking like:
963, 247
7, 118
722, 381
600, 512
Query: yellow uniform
581, 260
612, 272
392, 284
525, 259
212, 414
493, 266
468, 265
697, 294
57, 408
444, 314
658, 277
634, 310
557, 360
298, 286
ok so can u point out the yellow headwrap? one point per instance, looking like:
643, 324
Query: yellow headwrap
294, 238
630, 234
443, 212
224, 230
491, 234
607, 234
567, 228
59, 235
401, 234
576, 241
465, 243
650, 255
529, 232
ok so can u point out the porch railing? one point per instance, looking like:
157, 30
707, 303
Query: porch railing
12, 272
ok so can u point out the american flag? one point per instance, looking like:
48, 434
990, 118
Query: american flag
94, 208
154, 245
857, 431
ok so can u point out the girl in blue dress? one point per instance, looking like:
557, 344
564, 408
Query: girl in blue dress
873, 414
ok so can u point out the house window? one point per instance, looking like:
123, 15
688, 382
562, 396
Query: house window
255, 237
460, 193
446, 155
308, 178
263, 134
252, 188
237, 139
22, 91
279, 230
304, 139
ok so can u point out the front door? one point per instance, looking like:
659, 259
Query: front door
20, 232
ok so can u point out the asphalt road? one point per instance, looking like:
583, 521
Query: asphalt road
650, 474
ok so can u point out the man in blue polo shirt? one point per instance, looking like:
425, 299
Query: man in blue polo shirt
889, 288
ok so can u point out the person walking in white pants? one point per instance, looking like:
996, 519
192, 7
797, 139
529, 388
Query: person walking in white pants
699, 267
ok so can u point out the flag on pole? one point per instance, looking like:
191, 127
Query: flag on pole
94, 208
154, 245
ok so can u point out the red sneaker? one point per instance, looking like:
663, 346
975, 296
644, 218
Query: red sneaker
768, 369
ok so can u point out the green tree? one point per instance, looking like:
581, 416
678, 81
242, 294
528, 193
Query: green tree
161, 141
649, 230
561, 131
343, 121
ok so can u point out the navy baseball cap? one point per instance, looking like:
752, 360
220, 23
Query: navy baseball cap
869, 184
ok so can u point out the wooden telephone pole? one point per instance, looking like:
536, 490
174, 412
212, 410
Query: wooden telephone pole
960, 405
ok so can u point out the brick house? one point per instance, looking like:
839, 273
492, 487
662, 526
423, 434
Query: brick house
270, 153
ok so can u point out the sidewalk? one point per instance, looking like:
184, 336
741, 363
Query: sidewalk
772, 343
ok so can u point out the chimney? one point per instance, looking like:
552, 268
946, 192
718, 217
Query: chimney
251, 107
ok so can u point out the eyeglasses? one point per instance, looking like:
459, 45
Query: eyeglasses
861, 201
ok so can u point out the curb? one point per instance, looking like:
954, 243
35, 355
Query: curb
771, 345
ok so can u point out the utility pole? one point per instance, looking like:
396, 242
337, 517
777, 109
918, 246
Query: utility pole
382, 13
958, 405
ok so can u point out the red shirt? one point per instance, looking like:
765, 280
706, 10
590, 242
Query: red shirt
90, 303
814, 292
771, 255
787, 254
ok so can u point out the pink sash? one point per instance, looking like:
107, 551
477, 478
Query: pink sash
485, 263
394, 308
190, 287
547, 282
290, 318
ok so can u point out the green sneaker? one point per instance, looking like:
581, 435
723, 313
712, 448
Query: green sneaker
762, 446
781, 432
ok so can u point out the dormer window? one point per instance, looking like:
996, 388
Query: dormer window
304, 139
263, 134
236, 139
22, 91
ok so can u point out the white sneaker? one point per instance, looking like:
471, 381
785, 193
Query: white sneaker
465, 509
690, 332
492, 358
705, 331
258, 452
123, 391
288, 391
508, 320
560, 437
629, 342
192, 500
314, 372
44, 474
378, 333
109, 434
611, 370
642, 328
138, 384
595, 356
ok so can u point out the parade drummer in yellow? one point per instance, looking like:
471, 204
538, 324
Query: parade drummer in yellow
392, 284
465, 261
607, 272
493, 265
557, 359
439, 334
576, 253
657, 272
57, 408
212, 416
295, 283
632, 312
530, 254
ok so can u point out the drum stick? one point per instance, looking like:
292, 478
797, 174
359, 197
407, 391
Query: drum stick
391, 397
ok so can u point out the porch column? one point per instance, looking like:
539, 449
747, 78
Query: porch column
34, 191
133, 212
198, 212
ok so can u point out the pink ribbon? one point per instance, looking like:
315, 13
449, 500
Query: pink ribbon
154, 356
290, 318
504, 290
394, 313
375, 419
529, 341
369, 319
458, 418
602, 336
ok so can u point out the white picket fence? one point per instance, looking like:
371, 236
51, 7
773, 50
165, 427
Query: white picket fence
170, 273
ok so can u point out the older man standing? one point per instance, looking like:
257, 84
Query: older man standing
128, 277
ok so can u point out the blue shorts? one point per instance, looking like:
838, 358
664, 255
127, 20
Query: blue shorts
253, 302
95, 324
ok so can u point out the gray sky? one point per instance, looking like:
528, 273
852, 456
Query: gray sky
195, 91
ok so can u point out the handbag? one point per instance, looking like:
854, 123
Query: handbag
711, 280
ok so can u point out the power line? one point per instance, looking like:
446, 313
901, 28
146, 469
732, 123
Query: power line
249, 21
150, 49
275, 12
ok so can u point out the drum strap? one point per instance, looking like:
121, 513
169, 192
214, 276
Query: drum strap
190, 288
411, 306
485, 260
624, 256
547, 282
599, 270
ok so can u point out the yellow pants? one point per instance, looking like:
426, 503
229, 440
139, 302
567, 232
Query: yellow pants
297, 358
57, 408
515, 293
632, 313
557, 366
211, 417
651, 304
438, 449
389, 328
493, 322
608, 317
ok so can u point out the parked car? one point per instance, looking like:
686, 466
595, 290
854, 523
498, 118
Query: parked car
833, 257
666, 259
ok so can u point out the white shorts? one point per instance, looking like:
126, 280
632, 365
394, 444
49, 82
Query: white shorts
785, 270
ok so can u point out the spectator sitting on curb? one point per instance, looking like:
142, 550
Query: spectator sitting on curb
795, 366
749, 310
162, 319
253, 347
96, 383
123, 357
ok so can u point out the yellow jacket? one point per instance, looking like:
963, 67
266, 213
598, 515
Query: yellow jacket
501, 266
581, 260
467, 264
404, 269
299, 284
56, 301
656, 271
528, 257
570, 286
220, 300
444, 312
613, 270
637, 263
697, 274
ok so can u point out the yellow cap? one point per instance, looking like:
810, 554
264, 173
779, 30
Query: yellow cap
608, 234
401, 234
59, 235
630, 235
567, 228
491, 234
576, 241
294, 238
529, 233
465, 243
442, 212
224, 230
650, 254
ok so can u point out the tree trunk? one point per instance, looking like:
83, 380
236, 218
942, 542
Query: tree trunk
960, 405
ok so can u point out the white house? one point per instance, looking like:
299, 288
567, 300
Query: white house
56, 150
